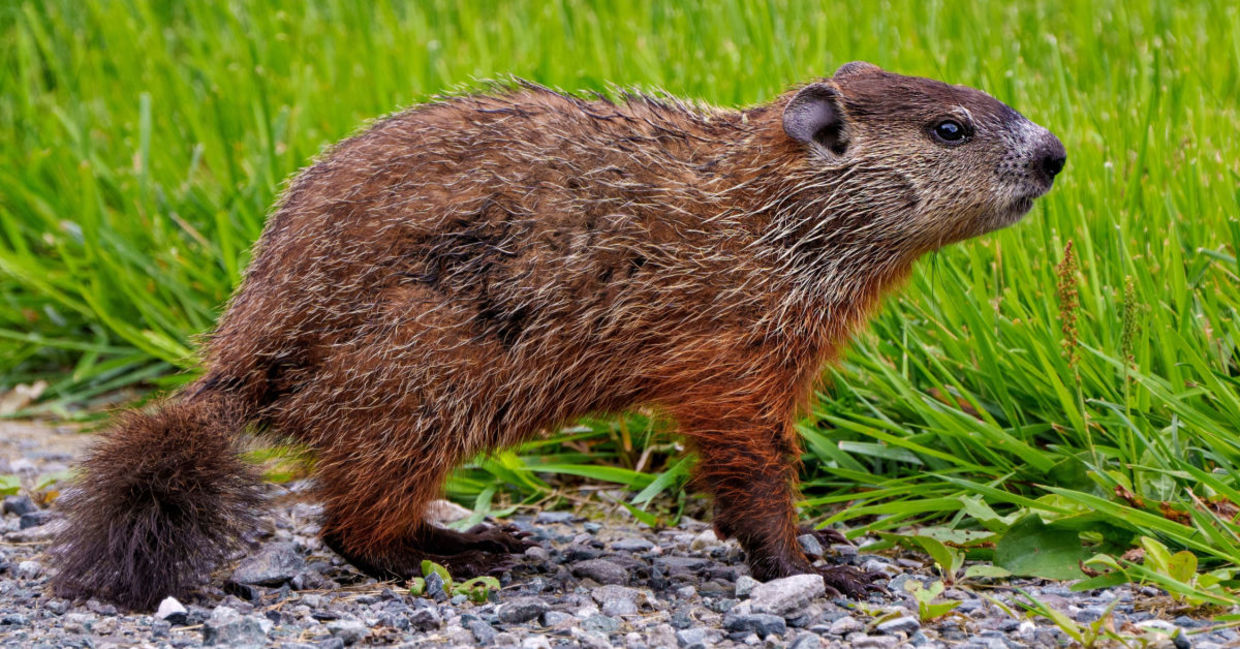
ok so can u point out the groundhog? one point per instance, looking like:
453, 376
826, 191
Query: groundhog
471, 271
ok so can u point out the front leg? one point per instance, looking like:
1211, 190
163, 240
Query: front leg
751, 470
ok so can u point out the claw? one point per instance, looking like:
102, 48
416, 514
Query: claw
851, 582
826, 535
506, 538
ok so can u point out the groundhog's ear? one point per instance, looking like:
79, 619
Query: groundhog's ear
856, 69
814, 117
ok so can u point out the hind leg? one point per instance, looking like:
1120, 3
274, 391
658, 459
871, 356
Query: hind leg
375, 520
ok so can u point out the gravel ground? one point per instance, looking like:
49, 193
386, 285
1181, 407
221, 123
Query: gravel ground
592, 582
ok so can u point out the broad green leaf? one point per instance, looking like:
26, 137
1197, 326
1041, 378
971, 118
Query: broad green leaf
1030, 548
9, 484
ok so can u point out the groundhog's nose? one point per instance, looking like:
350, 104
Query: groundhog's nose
1051, 157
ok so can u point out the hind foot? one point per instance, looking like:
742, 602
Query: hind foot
481, 550
494, 538
850, 582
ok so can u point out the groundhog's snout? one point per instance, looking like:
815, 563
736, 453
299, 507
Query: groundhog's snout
1049, 157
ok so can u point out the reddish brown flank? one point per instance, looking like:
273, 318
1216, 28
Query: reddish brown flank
467, 273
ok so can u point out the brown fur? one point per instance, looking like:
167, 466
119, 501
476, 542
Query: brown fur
469, 272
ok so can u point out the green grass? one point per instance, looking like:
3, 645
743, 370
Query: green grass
143, 143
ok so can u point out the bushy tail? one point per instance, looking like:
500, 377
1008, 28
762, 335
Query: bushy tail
159, 502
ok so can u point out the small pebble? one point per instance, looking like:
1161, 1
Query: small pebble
29, 569
601, 571
550, 518
811, 545
745, 585
18, 505
522, 609
349, 631
845, 626
761, 624
172, 611
906, 625
632, 545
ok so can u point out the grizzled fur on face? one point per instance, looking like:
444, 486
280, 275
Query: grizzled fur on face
885, 133
469, 272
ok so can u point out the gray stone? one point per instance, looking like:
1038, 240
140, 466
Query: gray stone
680, 565
537, 553
761, 624
1090, 614
484, 633
905, 624
874, 565
38, 534
14, 619
18, 505
601, 570
706, 540
970, 605
436, 588
349, 631
662, 636
29, 569
632, 545
619, 607
601, 624
787, 595
425, 618
78, 622
521, 609
874, 641
554, 517
228, 628
845, 626
35, 518
556, 618
172, 611
535, 642
745, 585
590, 639
806, 641
395, 620
274, 565
811, 545
102, 608
694, 638
604, 594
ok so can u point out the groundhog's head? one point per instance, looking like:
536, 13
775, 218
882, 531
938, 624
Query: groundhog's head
963, 162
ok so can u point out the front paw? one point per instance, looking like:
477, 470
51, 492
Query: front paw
850, 582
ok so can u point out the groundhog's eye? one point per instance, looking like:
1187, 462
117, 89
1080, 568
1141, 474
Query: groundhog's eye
949, 131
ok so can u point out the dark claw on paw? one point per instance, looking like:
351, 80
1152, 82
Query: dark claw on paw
826, 536
498, 539
850, 582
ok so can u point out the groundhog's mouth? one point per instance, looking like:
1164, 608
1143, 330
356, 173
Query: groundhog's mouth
1016, 210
